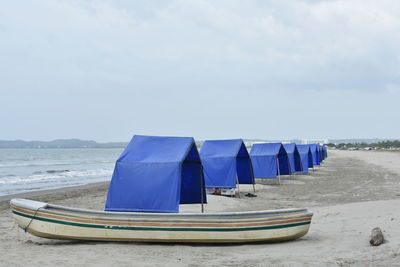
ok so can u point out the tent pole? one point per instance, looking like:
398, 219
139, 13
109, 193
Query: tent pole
237, 184
279, 172
202, 188
252, 175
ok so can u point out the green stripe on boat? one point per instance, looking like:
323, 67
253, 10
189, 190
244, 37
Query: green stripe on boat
161, 229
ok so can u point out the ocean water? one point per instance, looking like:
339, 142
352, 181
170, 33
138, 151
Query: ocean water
25, 170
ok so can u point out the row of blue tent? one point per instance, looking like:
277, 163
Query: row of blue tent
156, 174
285, 159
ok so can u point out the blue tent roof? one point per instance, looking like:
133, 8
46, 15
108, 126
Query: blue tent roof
315, 154
223, 161
268, 149
294, 157
306, 157
267, 157
156, 174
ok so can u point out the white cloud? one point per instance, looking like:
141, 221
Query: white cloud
153, 55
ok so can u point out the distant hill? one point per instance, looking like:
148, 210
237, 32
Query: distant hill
59, 143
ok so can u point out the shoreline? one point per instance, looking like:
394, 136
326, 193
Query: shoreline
53, 194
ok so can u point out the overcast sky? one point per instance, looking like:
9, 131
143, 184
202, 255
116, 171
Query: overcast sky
105, 70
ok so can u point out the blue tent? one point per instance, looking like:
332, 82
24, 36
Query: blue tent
320, 153
306, 157
267, 157
225, 162
315, 154
294, 157
156, 174
325, 152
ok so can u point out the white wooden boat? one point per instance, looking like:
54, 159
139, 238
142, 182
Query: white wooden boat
58, 222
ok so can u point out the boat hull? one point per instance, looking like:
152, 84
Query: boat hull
58, 222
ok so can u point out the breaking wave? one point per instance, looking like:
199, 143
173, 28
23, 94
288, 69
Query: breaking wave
22, 164
24, 170
56, 176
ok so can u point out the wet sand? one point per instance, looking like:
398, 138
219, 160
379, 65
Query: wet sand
350, 194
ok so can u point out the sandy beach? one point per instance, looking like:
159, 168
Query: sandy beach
350, 194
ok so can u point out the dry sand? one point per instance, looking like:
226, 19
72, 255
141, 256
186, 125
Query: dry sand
352, 193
